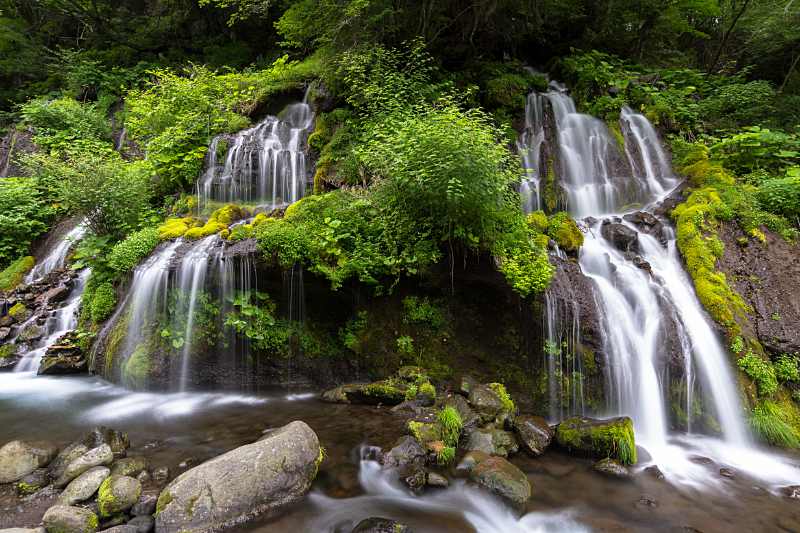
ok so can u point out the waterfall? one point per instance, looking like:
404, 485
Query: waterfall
58, 255
63, 320
644, 293
563, 364
529, 146
265, 164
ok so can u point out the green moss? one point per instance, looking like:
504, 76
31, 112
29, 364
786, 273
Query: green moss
428, 390
446, 456
387, 391
15, 273
26, 489
616, 131
164, 499
425, 431
613, 438
7, 350
549, 193
17, 311
451, 423
106, 501
761, 371
505, 398
228, 214
136, 370
563, 229
173, 228
102, 303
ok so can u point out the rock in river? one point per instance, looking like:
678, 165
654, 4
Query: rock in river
611, 438
118, 494
100, 456
84, 486
66, 519
534, 433
254, 479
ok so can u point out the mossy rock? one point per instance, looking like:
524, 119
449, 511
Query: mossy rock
136, 370
425, 431
7, 350
18, 312
173, 228
228, 214
117, 494
612, 438
15, 273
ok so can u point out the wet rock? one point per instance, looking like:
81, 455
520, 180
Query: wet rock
65, 457
124, 528
4, 333
32, 483
612, 438
534, 433
466, 385
20, 458
32, 332
437, 480
654, 472
700, 460
23, 530
727, 472
84, 486
487, 403
491, 441
262, 477
411, 407
647, 223
54, 295
405, 452
143, 523
146, 505
188, 463
386, 392
118, 494
611, 468
100, 456
116, 440
424, 430
472, 459
638, 262
621, 236
144, 477
161, 474
502, 478
66, 519
64, 357
646, 501
128, 466
791, 491
380, 525
414, 476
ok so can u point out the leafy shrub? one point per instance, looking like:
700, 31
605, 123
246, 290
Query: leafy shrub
24, 215
739, 104
761, 371
422, 311
786, 368
781, 196
446, 455
505, 398
15, 273
60, 122
128, 253
758, 148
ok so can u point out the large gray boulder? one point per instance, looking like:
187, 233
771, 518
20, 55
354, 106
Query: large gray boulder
491, 441
254, 479
19, 458
500, 477
84, 486
64, 458
100, 456
129, 466
66, 519
534, 433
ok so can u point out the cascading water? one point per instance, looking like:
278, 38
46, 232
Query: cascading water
63, 320
530, 146
563, 364
642, 288
265, 164
58, 255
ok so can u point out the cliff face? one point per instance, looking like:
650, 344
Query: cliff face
767, 276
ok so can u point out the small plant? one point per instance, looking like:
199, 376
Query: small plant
411, 392
446, 456
405, 345
775, 316
427, 390
761, 371
772, 423
786, 368
450, 420
737, 345
422, 311
505, 398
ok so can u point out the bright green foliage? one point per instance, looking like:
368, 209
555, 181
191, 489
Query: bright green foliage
136, 369
422, 311
15, 273
781, 196
61, 123
786, 368
761, 371
427, 390
776, 423
505, 398
560, 227
758, 148
405, 345
24, 215
450, 420
103, 302
128, 253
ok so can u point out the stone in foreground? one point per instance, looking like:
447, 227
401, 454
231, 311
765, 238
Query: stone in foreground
255, 479
19, 458
380, 525
502, 478
534, 433
612, 438
118, 494
84, 486
66, 519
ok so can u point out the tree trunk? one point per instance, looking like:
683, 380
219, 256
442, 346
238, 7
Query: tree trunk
726, 36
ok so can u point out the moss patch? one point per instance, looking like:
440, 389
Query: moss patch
599, 438
136, 370
18, 311
15, 273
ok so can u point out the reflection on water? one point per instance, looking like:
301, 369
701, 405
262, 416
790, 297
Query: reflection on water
567, 494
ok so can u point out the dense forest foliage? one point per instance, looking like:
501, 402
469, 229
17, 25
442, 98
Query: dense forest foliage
416, 142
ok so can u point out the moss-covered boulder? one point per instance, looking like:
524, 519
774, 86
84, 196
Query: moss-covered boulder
491, 402
386, 392
20, 458
128, 466
15, 273
66, 519
425, 431
492, 441
612, 438
118, 494
32, 483
263, 477
84, 486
